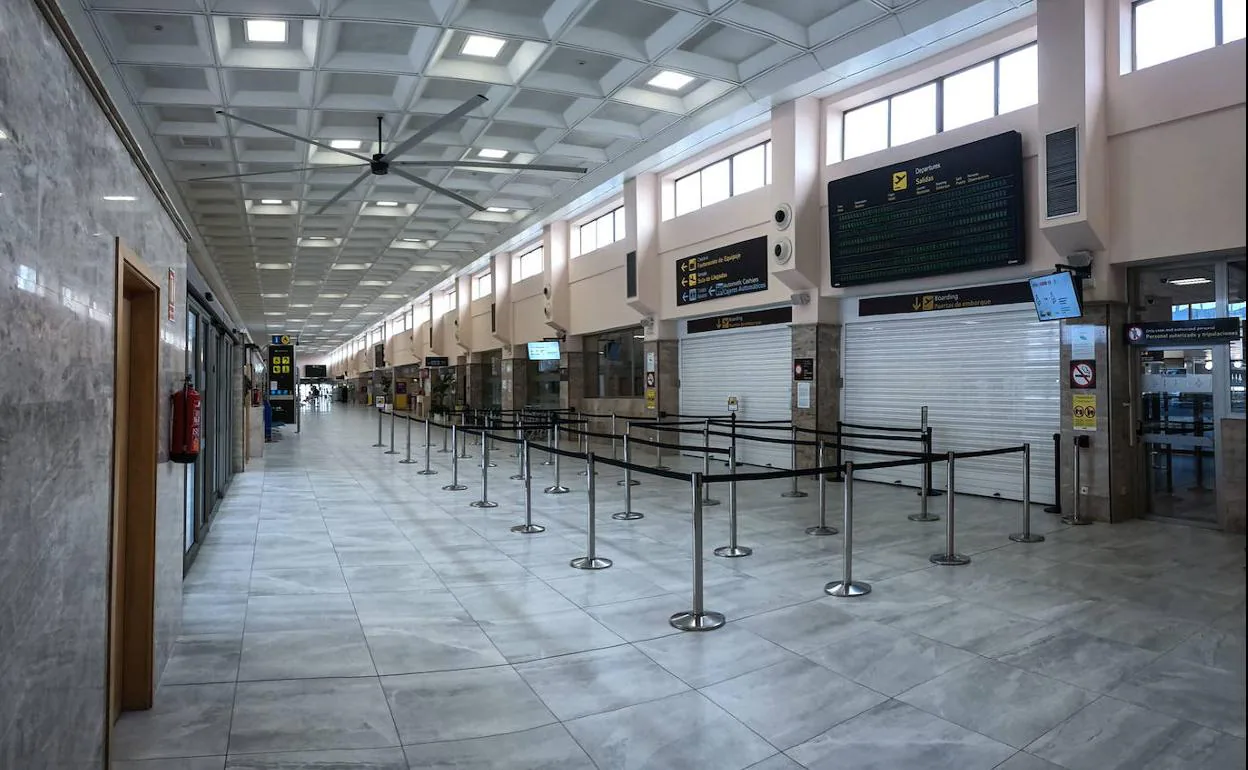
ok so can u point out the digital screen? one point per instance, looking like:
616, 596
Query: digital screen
544, 351
1056, 297
315, 370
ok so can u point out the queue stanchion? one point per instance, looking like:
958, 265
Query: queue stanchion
584, 446
407, 458
551, 433
706, 464
426, 471
614, 437
454, 486
925, 486
794, 492
445, 432
1056, 507
476, 420
463, 445
1076, 519
485, 501
658, 446
492, 422
925, 436
839, 460
733, 550
522, 458
557, 488
628, 480
381, 413
628, 514
591, 559
822, 529
846, 587
698, 618
528, 527
950, 558
487, 438
1027, 536
394, 415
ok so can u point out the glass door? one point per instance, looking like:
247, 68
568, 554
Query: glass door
1178, 432
192, 342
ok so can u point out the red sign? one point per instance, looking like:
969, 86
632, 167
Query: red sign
1082, 375
173, 283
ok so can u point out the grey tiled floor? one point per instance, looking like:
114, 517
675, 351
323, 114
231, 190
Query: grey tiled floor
346, 612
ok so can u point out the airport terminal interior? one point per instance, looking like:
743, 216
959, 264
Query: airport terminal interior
622, 384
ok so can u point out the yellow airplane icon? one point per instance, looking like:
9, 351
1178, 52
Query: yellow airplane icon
900, 181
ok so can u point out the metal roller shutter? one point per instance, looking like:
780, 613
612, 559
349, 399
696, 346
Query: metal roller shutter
752, 364
989, 380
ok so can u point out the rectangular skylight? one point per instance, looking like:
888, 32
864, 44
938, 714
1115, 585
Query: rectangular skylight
345, 144
491, 154
265, 30
670, 81
483, 46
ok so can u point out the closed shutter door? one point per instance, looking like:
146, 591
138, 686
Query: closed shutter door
753, 365
989, 380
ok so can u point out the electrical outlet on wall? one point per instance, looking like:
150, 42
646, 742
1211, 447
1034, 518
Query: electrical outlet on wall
1083, 490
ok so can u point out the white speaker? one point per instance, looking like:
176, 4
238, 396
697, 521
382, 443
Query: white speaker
781, 250
783, 216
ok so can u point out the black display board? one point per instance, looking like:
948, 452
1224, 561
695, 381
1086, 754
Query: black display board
379, 355
314, 371
724, 272
778, 315
950, 212
1200, 331
437, 362
1016, 293
282, 378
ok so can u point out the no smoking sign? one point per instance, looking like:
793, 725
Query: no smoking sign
1082, 375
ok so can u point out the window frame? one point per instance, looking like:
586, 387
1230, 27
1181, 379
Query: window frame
487, 275
517, 274
732, 193
1219, 33
940, 98
616, 231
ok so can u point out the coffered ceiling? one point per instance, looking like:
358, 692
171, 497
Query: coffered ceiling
600, 84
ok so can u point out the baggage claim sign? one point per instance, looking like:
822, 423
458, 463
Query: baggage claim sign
724, 272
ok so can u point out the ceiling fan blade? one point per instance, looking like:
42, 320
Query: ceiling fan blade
438, 189
490, 164
344, 191
433, 127
296, 137
278, 171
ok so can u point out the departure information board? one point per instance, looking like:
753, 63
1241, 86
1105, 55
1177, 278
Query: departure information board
950, 212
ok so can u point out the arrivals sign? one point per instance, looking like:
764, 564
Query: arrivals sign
724, 272
992, 295
1204, 330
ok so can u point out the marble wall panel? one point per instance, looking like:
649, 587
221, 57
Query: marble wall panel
56, 397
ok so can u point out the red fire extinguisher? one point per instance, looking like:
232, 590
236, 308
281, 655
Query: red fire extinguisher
187, 405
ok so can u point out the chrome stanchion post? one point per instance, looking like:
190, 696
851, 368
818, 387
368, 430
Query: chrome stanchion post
551, 433
521, 455
822, 527
394, 415
846, 587
486, 438
426, 471
658, 448
698, 618
454, 486
614, 437
591, 559
840, 454
1026, 535
485, 501
925, 480
1076, 518
528, 527
557, 488
380, 416
445, 432
732, 550
794, 492
463, 445
706, 465
628, 514
950, 558
407, 459
1056, 507
628, 480
926, 443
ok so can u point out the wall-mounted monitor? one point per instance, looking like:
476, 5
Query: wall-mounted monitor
544, 351
1057, 296
315, 371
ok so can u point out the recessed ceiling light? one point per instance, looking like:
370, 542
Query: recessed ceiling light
411, 240
491, 153
337, 320
1188, 281
427, 268
353, 304
370, 312
274, 313
120, 198
391, 296
272, 265
300, 305
265, 30
350, 266
387, 204
305, 283
483, 45
271, 201
273, 296
498, 210
670, 81
3, 134
345, 144
318, 237
374, 283
332, 296
320, 312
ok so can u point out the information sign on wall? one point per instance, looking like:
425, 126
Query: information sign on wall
724, 272
1083, 409
991, 295
778, 315
1205, 330
803, 368
1083, 375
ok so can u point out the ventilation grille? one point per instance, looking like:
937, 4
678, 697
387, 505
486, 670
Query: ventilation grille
1061, 173
199, 142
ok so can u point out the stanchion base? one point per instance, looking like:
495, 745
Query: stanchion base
1053, 509
558, 489
697, 621
483, 504
847, 590
733, 551
427, 472
583, 473
392, 452
528, 529
709, 501
380, 443
454, 488
923, 517
628, 516
584, 562
1027, 537
547, 462
632, 483
465, 457
1076, 522
661, 467
949, 559
443, 451
821, 531
794, 493
408, 462
516, 477
930, 493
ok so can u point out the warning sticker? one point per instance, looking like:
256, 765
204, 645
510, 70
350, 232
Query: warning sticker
1083, 408
1082, 375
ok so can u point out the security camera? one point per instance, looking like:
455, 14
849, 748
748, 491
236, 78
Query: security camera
208, 296
782, 250
783, 216
1150, 299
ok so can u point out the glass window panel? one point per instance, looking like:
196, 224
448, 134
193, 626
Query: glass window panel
913, 115
688, 194
1169, 29
1232, 20
606, 230
589, 237
715, 182
866, 129
749, 170
1020, 81
619, 223
969, 96
767, 148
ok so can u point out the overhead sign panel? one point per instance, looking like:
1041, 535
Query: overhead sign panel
724, 272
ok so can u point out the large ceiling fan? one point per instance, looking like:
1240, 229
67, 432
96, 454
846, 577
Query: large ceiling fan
381, 164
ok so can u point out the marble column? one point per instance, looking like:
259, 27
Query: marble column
1107, 487
1231, 498
821, 342
667, 361
514, 377
572, 388
474, 381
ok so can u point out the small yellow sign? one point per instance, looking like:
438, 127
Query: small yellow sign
1083, 408
652, 398
901, 180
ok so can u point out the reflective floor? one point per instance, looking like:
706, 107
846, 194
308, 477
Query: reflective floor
346, 612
